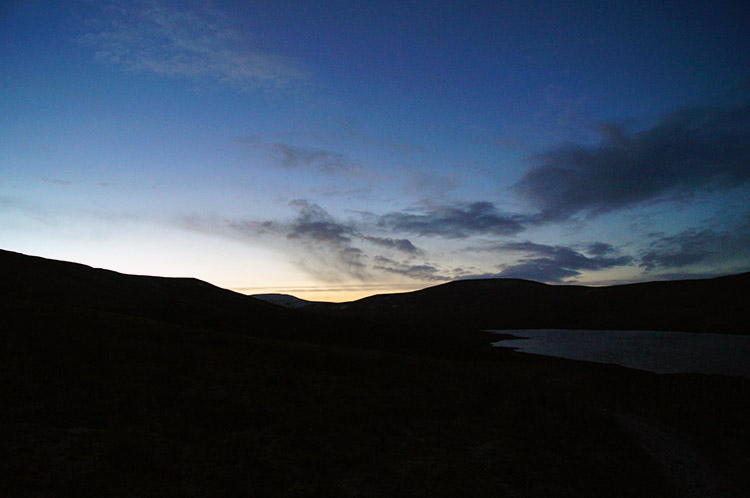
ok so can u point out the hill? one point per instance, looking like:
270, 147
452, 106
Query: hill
284, 300
116, 385
186, 301
194, 303
710, 305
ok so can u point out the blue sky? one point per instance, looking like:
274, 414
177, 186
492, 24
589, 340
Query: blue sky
338, 149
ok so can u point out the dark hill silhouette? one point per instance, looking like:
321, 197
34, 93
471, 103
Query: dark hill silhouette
35, 281
118, 385
709, 305
185, 301
285, 300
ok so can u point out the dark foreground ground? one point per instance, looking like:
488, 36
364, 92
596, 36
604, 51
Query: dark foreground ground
95, 403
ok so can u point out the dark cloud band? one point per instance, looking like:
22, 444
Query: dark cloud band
455, 222
546, 263
687, 151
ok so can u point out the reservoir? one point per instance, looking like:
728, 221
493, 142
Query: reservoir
659, 352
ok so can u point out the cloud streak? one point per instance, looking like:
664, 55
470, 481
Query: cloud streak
325, 247
688, 151
313, 223
57, 181
554, 264
424, 272
403, 245
330, 247
696, 247
196, 42
455, 222
301, 157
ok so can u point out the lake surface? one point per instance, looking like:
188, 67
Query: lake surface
660, 352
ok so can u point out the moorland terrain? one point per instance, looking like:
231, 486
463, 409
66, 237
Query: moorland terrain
121, 385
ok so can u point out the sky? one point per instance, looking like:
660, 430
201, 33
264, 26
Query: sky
338, 149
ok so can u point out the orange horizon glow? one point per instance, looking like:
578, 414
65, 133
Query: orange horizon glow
334, 294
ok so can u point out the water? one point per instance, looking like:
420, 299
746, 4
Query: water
660, 352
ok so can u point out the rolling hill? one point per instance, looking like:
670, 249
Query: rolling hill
185, 301
119, 385
710, 305
285, 300
30, 281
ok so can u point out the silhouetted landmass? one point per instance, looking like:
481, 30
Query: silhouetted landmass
710, 305
185, 301
192, 302
285, 300
116, 385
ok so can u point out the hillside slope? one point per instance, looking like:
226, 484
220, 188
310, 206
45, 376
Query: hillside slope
711, 305
191, 302
187, 301
114, 385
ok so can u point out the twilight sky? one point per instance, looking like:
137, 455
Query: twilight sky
336, 149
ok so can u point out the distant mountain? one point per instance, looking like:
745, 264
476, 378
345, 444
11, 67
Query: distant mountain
710, 305
284, 300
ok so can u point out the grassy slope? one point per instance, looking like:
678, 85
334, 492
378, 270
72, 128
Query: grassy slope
101, 403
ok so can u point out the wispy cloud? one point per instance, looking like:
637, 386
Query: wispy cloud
403, 245
329, 162
313, 223
688, 151
191, 39
684, 249
423, 272
601, 249
548, 263
328, 248
57, 181
347, 193
331, 242
297, 156
15, 203
457, 221
693, 248
430, 185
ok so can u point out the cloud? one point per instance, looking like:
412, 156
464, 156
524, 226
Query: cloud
323, 246
194, 41
328, 252
600, 249
291, 156
296, 156
692, 150
15, 203
403, 245
430, 184
684, 249
57, 181
539, 270
348, 193
424, 272
455, 222
330, 247
728, 248
313, 223
552, 264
